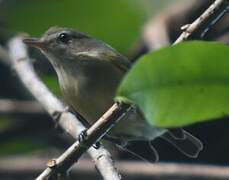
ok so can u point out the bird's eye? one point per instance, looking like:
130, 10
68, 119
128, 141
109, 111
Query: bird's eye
64, 37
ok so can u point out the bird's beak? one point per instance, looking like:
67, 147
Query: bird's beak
34, 42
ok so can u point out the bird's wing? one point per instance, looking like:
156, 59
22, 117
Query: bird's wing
121, 63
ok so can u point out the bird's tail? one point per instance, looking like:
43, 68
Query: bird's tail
188, 144
181, 139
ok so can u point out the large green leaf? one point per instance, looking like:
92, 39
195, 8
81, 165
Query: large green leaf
180, 85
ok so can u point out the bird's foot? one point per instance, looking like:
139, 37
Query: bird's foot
97, 145
82, 137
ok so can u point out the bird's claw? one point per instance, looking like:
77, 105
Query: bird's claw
97, 145
83, 135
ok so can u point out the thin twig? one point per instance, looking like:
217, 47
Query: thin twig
93, 134
23, 67
221, 15
191, 28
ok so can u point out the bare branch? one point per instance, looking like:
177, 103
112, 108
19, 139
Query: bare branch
22, 65
130, 169
163, 29
191, 28
9, 106
94, 133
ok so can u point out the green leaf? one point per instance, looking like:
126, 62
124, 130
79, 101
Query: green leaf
181, 84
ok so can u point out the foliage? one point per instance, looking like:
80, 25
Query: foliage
180, 85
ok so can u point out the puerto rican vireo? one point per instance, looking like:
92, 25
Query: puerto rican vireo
89, 71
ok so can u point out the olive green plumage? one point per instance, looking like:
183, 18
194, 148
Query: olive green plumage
89, 72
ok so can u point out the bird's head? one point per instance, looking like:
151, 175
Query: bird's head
61, 44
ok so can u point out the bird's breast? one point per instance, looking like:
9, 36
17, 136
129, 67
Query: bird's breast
91, 93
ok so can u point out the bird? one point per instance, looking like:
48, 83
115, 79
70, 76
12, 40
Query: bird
89, 72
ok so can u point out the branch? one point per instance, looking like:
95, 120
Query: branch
13, 167
163, 29
191, 28
22, 65
93, 134
20, 107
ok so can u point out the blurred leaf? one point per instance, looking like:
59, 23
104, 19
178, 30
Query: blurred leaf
116, 22
5, 122
180, 85
18, 146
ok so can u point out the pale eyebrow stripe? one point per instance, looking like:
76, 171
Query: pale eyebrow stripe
88, 53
